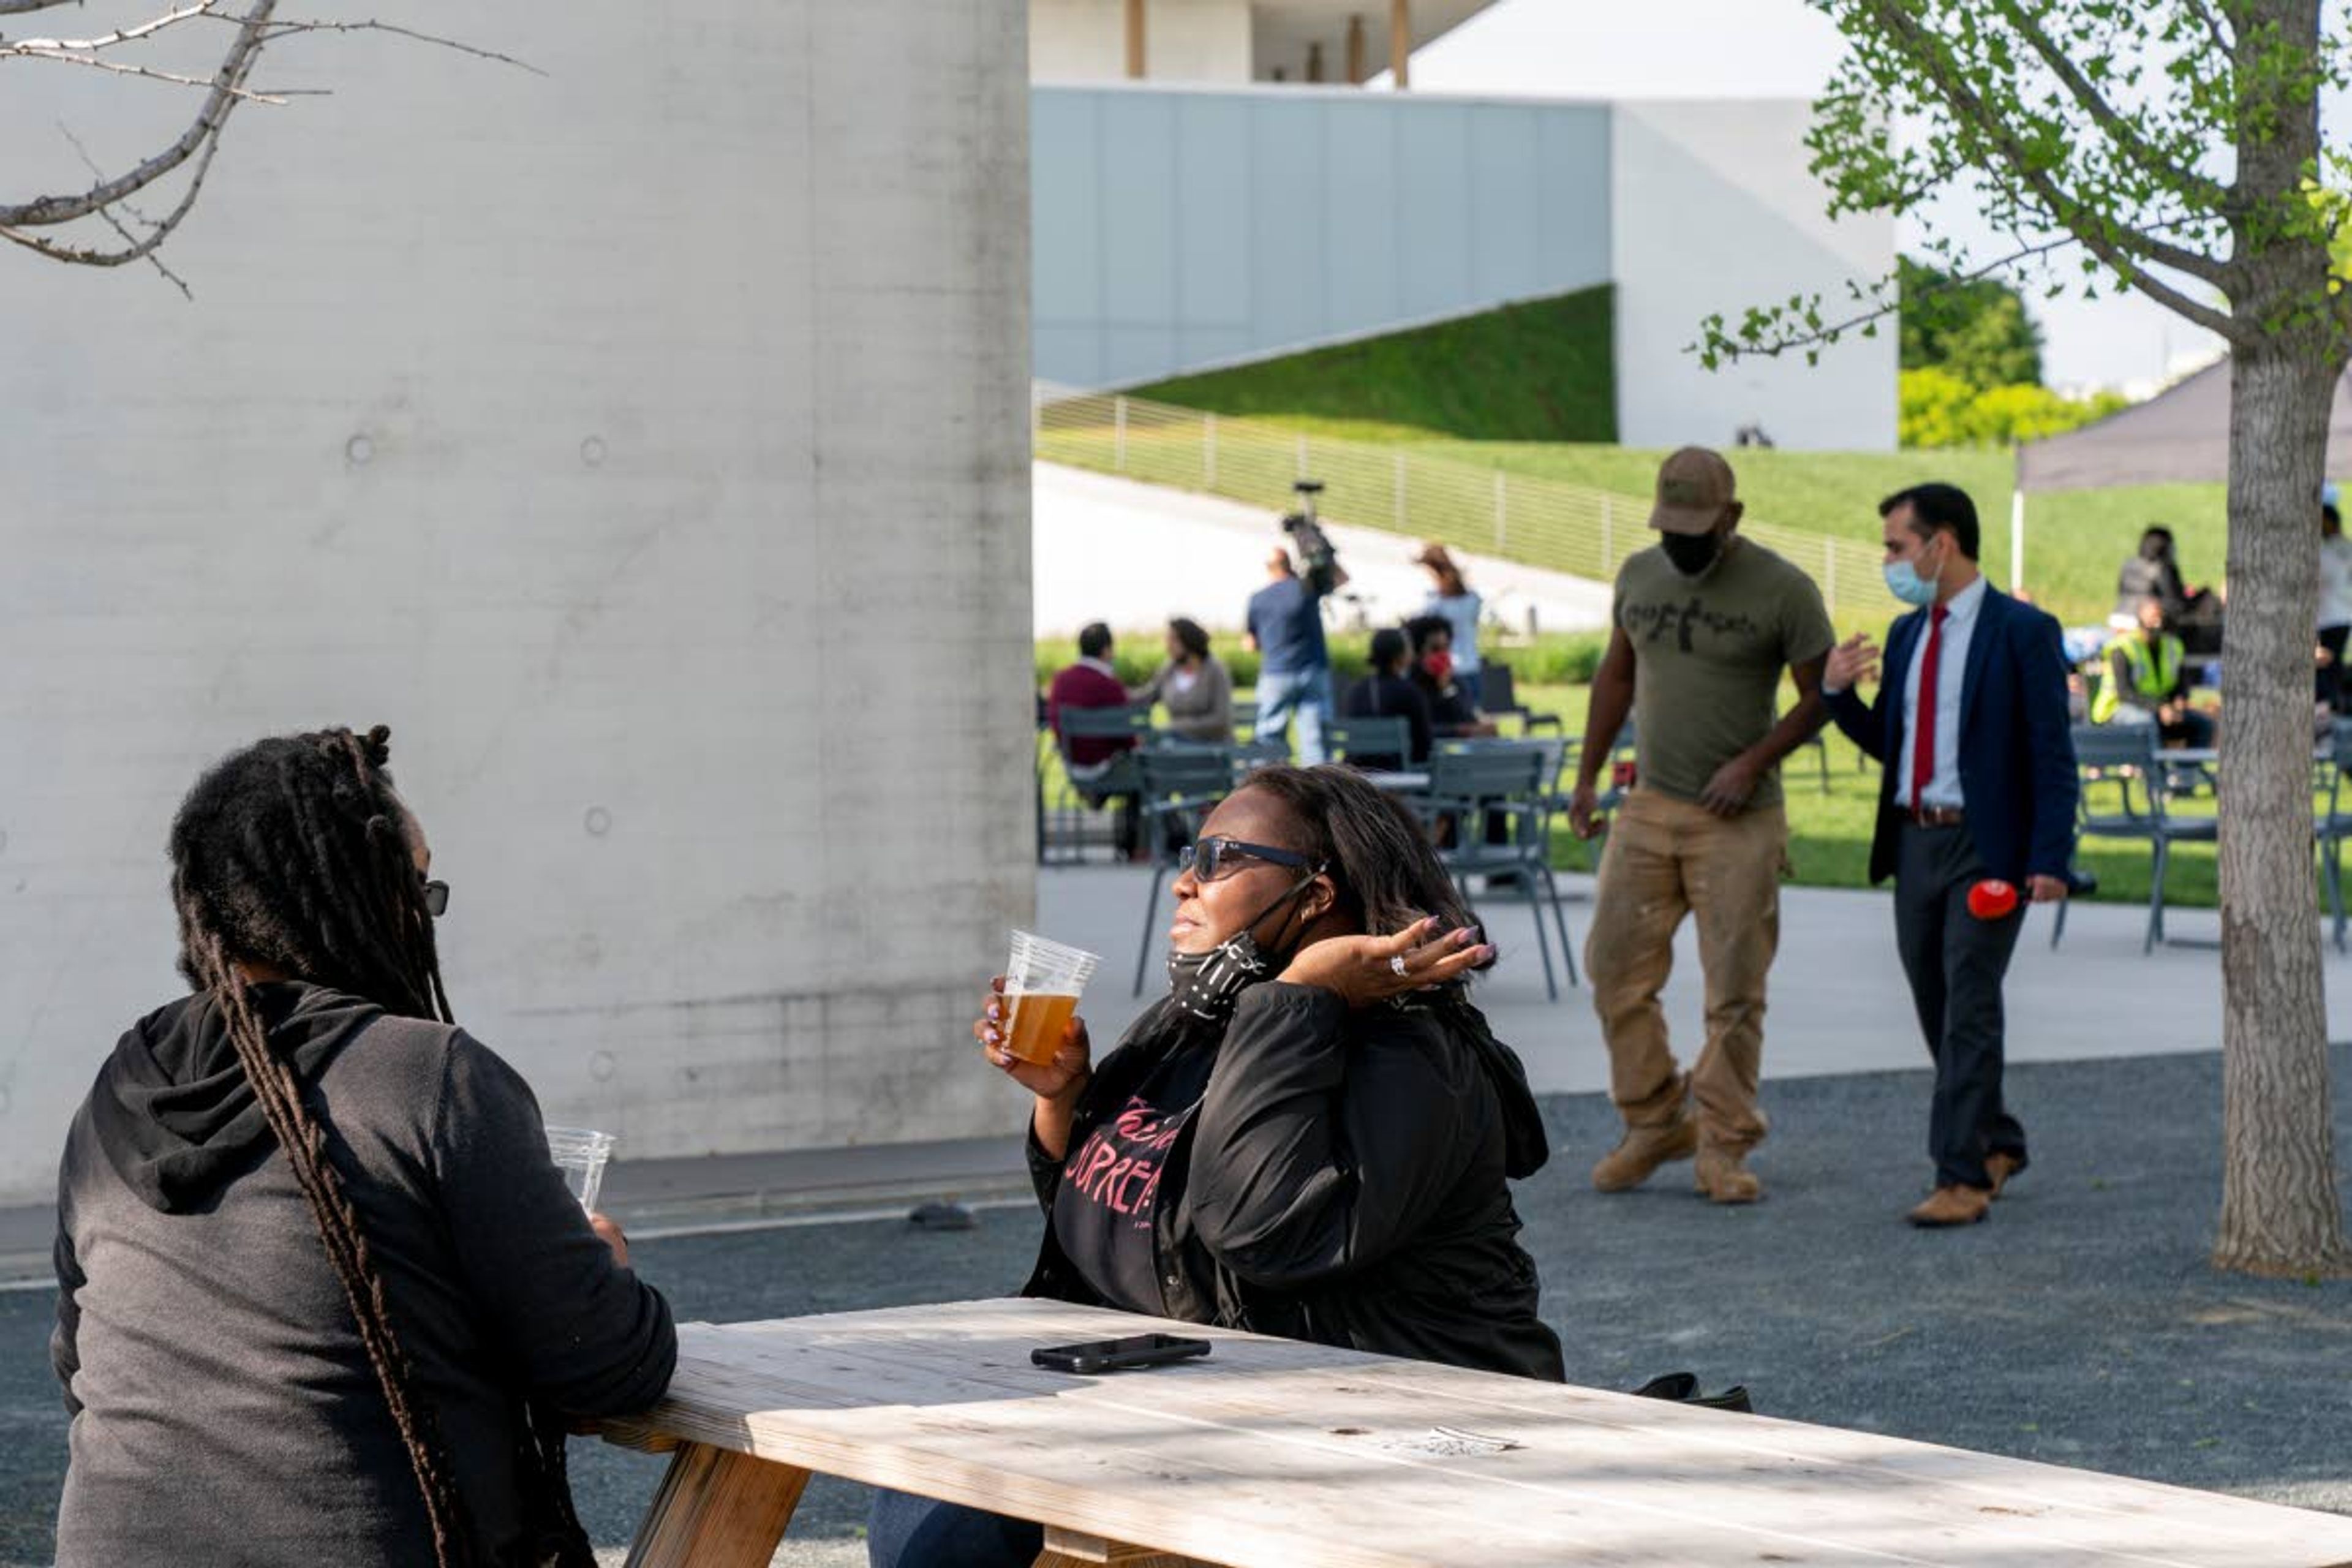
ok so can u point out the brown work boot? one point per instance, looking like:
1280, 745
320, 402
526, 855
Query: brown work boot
1723, 1176
1951, 1205
2001, 1168
1641, 1150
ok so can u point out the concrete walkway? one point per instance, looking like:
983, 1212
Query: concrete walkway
1838, 1002
1107, 549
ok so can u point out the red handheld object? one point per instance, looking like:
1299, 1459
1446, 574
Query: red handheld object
1992, 900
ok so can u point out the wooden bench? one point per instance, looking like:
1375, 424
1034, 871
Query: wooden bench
1273, 1454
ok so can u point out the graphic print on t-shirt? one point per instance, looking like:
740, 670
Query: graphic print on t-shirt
1117, 1168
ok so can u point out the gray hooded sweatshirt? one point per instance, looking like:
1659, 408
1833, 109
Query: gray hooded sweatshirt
223, 1408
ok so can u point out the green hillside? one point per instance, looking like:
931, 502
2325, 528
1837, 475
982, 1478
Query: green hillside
1534, 372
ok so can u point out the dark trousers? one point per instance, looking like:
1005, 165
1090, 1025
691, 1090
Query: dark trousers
1955, 964
909, 1531
2327, 680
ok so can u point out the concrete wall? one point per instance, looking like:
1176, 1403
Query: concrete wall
1716, 212
647, 444
1185, 40
1177, 229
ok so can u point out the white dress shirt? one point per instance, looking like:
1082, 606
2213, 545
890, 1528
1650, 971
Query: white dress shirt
1951, 673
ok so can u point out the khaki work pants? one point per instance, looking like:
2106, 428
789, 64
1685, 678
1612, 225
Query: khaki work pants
1667, 858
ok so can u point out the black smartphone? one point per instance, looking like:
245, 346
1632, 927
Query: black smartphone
1118, 1355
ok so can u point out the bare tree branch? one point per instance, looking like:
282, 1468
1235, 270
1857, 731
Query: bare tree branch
19, 7
2127, 250
288, 29
117, 225
2125, 135
120, 67
138, 249
115, 39
49, 211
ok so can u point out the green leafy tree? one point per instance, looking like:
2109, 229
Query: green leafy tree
1976, 330
2171, 147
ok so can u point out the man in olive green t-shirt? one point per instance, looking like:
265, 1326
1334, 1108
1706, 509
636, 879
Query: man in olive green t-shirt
1706, 622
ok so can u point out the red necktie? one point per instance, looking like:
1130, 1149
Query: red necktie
1923, 753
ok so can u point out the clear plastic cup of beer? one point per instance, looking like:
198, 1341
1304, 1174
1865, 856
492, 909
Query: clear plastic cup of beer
1043, 983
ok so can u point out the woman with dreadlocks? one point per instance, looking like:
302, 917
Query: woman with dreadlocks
1313, 1134
323, 1295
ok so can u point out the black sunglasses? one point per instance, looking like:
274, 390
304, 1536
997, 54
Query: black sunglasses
1213, 858
436, 898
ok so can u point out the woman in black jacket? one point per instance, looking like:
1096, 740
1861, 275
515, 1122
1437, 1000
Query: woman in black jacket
323, 1296
1312, 1135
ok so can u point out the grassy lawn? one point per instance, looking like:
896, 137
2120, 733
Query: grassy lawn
1536, 371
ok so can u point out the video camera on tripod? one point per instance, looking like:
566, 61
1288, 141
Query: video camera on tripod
1318, 562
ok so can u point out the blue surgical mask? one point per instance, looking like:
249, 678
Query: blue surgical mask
1903, 581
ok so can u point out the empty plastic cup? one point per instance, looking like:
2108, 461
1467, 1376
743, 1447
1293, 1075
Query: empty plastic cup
580, 1153
1043, 982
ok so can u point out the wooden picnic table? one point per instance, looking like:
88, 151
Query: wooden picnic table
1275, 1454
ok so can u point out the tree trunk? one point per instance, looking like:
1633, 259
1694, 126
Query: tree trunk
2280, 1211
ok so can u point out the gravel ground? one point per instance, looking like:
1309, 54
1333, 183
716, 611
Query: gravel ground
2081, 1325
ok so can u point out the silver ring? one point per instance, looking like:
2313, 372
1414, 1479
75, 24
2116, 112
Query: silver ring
1396, 963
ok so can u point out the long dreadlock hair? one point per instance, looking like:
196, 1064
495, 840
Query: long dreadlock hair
295, 853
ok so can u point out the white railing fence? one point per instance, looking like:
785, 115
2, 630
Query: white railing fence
1515, 517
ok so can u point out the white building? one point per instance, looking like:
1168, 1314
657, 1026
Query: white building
1218, 210
646, 443
1229, 42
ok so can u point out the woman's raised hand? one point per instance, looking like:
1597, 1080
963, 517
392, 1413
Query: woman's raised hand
1059, 1080
1366, 969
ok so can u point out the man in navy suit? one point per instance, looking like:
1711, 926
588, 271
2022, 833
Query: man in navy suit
1973, 729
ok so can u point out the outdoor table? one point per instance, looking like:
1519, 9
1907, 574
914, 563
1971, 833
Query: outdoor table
1407, 783
1275, 1454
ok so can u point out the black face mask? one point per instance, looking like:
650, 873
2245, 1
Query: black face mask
1692, 554
1209, 986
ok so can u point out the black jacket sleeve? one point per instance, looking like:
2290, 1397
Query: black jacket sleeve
1859, 721
582, 1333
1326, 1140
2050, 741
64, 1352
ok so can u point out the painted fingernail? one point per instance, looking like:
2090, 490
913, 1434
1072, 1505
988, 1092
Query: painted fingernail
990, 1036
991, 1010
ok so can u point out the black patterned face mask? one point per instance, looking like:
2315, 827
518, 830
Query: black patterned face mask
1209, 986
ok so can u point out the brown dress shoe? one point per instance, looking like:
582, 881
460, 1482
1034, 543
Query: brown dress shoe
2001, 1168
1641, 1150
1955, 1204
1725, 1178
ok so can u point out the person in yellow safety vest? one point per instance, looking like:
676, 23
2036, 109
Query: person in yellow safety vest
2146, 678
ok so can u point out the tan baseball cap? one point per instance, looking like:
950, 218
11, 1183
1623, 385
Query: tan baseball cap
1694, 487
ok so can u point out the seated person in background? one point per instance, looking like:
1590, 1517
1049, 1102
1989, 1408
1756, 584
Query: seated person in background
1194, 685
1314, 1134
2151, 575
1453, 715
2148, 683
1389, 692
1092, 682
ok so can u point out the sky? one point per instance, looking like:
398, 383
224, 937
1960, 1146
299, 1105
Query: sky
1703, 48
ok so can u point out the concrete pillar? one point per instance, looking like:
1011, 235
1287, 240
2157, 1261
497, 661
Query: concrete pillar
1401, 43
1134, 56
1356, 51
